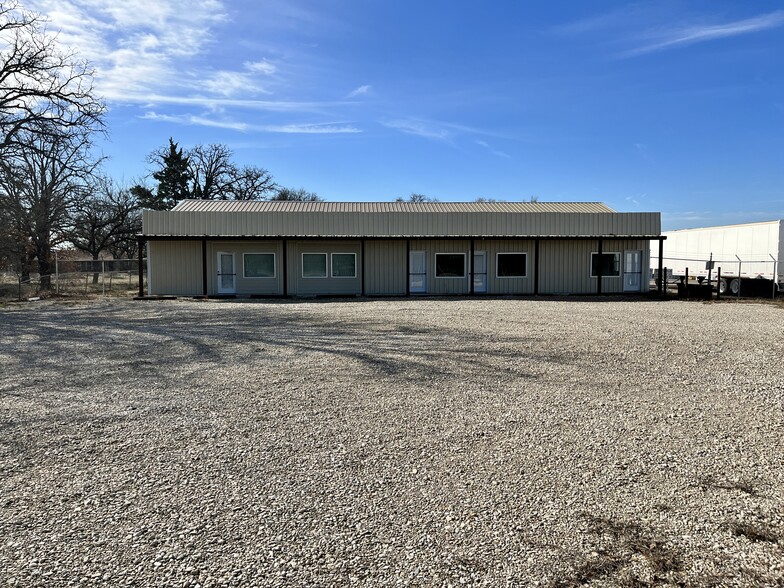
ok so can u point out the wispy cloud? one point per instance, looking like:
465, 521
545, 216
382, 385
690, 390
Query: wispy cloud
312, 129
435, 130
419, 128
293, 128
679, 37
493, 151
648, 28
190, 119
361, 91
136, 46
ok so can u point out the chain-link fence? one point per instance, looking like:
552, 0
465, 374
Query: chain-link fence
76, 277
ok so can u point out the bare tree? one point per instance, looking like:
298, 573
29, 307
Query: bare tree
252, 183
298, 195
44, 92
212, 172
102, 220
40, 185
414, 197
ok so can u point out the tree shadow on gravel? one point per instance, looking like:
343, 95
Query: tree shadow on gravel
141, 342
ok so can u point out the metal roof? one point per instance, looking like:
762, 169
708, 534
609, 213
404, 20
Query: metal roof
383, 207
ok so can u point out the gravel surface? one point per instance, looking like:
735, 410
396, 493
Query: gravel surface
406, 442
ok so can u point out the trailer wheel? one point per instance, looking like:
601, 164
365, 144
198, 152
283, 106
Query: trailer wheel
723, 286
735, 286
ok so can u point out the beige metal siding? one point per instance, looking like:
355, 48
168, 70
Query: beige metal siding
175, 268
565, 266
392, 224
245, 286
450, 286
329, 285
496, 285
385, 267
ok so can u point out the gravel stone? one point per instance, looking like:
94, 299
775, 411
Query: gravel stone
445, 442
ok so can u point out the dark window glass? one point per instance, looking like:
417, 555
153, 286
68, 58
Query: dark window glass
450, 265
344, 265
259, 265
511, 265
611, 264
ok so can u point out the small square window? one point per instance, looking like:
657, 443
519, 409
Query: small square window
450, 265
344, 265
511, 265
611, 265
314, 265
258, 265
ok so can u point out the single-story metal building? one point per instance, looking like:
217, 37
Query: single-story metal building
230, 248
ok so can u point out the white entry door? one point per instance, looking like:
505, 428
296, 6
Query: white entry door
226, 273
417, 276
480, 271
632, 271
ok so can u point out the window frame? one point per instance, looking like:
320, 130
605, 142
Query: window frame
497, 258
332, 265
435, 268
326, 265
617, 255
274, 265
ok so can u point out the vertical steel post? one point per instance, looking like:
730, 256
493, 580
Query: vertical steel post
662, 278
103, 277
57, 271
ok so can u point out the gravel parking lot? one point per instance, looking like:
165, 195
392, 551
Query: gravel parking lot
392, 442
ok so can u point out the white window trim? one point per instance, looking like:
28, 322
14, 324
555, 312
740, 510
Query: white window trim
332, 266
326, 264
500, 253
274, 265
590, 264
435, 266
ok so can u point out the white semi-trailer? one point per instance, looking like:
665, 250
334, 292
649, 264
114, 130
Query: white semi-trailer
752, 251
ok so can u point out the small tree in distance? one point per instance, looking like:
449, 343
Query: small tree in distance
299, 195
415, 197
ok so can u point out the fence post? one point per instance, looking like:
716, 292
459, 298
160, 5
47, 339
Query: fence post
57, 272
103, 277
718, 284
86, 277
20, 287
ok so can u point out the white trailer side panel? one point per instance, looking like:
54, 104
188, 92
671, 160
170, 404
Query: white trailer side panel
750, 250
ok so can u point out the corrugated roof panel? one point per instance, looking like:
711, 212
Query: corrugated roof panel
387, 207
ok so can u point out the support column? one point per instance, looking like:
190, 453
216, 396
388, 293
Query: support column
471, 266
536, 267
661, 281
285, 257
408, 267
599, 272
140, 241
204, 282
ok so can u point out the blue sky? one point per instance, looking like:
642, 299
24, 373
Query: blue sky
671, 106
